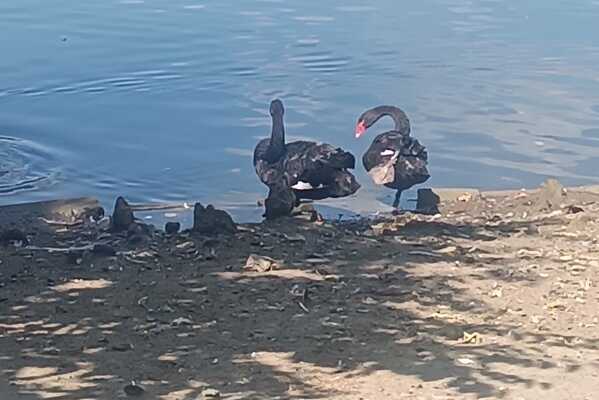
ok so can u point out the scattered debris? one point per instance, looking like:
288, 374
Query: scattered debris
424, 253
181, 321
572, 209
295, 238
303, 307
61, 223
465, 361
258, 263
436, 288
306, 211
465, 197
472, 338
210, 394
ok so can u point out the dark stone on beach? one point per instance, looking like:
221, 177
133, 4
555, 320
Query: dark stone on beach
280, 201
172, 228
122, 217
14, 235
208, 220
427, 202
104, 250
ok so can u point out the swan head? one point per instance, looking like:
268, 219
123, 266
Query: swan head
276, 107
369, 118
365, 121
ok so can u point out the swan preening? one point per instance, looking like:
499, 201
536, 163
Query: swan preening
394, 159
308, 170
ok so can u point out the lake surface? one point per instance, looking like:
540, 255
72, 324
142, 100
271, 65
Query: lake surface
164, 100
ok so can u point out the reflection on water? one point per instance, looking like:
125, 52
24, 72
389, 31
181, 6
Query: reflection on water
164, 100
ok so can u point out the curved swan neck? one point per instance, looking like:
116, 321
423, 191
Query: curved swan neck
402, 123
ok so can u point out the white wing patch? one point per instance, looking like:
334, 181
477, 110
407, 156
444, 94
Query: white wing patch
302, 186
387, 152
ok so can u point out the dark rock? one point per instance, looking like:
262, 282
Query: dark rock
428, 201
573, 209
122, 347
122, 217
172, 228
105, 250
209, 220
14, 235
133, 390
280, 201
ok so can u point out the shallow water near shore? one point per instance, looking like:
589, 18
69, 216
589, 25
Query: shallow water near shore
163, 101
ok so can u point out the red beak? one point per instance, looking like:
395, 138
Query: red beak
360, 129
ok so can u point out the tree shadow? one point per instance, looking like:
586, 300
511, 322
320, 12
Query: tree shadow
346, 308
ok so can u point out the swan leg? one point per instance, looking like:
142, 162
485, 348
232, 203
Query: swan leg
396, 201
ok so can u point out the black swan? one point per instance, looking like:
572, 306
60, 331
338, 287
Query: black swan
301, 169
394, 158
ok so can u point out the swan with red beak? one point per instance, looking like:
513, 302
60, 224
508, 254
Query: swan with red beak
394, 159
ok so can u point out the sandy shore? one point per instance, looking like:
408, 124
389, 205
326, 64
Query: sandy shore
494, 297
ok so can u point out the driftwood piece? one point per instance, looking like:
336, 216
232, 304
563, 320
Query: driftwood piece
67, 211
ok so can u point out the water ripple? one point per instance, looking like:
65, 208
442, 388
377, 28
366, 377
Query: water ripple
321, 62
25, 166
135, 81
314, 18
358, 9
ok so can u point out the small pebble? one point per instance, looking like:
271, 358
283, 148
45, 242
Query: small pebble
172, 228
133, 390
532, 229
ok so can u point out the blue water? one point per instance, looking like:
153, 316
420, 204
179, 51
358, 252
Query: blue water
164, 100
